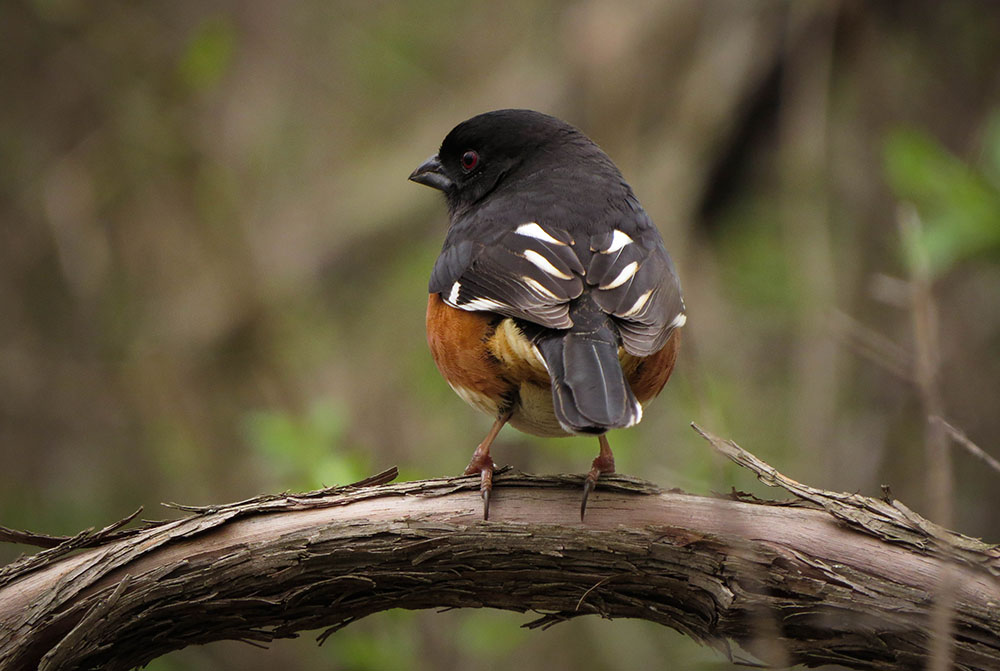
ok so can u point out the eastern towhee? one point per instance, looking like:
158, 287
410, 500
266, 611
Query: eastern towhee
554, 304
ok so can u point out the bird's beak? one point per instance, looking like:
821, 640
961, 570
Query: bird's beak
431, 173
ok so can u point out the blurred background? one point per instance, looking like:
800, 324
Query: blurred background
213, 269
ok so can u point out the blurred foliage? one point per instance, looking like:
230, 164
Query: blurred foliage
959, 202
213, 271
305, 453
208, 54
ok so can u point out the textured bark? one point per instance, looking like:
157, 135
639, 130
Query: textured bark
827, 578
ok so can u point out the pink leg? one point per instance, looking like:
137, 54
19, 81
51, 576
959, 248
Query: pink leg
482, 463
604, 462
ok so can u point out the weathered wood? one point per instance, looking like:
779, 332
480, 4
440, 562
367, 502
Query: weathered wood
830, 578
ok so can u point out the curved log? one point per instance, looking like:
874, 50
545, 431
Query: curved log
829, 578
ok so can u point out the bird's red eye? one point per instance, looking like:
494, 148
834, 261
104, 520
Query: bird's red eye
470, 160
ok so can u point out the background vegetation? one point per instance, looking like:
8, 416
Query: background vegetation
213, 270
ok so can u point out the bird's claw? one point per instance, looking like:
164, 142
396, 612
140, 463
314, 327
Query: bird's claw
484, 466
588, 486
603, 463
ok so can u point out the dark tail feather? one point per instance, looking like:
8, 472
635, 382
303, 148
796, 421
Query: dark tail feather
589, 391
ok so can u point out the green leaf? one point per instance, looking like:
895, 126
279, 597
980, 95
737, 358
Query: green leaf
208, 54
958, 205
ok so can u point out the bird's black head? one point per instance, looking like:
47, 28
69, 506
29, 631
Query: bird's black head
482, 152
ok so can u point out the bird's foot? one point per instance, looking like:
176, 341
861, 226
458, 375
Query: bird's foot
603, 463
483, 465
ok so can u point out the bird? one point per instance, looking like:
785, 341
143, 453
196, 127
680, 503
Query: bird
553, 305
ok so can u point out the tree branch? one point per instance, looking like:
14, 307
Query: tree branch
828, 578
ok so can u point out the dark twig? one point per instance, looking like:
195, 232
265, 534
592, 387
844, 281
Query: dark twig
960, 438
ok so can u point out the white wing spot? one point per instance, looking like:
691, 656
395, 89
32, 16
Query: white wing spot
544, 264
539, 288
618, 240
639, 304
533, 230
453, 296
679, 321
482, 304
624, 276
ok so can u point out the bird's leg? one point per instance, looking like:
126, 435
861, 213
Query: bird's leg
482, 463
604, 462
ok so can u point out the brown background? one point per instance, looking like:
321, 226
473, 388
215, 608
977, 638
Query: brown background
213, 270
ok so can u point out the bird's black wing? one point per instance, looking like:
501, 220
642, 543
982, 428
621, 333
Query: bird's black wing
531, 273
635, 282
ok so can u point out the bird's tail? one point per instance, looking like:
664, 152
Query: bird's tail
589, 391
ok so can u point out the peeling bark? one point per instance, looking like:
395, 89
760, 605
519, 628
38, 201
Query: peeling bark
826, 578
